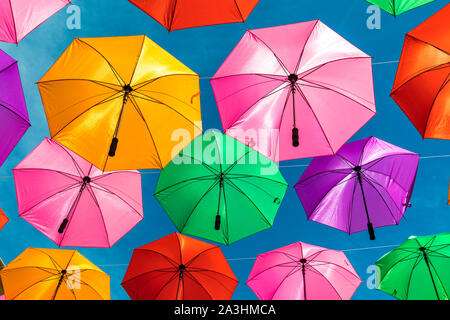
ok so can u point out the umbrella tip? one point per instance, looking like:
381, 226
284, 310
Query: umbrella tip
357, 168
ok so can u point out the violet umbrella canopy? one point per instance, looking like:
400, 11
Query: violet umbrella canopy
14, 121
294, 91
72, 202
302, 271
19, 17
367, 184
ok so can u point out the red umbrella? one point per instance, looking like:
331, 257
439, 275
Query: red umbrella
3, 219
182, 14
178, 267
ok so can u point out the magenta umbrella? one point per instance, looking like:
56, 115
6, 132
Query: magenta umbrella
72, 202
19, 17
14, 121
302, 271
294, 91
367, 184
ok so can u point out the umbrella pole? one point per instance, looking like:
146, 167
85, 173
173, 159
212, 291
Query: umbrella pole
369, 224
115, 141
63, 274
293, 78
303, 261
218, 218
427, 261
63, 225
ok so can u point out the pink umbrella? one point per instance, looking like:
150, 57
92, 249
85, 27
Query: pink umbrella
302, 271
72, 202
19, 17
294, 91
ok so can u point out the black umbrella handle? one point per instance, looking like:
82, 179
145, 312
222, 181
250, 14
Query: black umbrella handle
217, 224
371, 231
295, 137
113, 147
63, 226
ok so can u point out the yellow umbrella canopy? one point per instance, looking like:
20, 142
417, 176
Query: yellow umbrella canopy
2, 265
121, 102
54, 274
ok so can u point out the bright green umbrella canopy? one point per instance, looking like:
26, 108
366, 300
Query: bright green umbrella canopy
419, 269
396, 7
220, 189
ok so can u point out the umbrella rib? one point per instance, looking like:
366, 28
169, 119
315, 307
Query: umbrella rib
147, 82
213, 271
76, 165
276, 90
106, 190
303, 49
416, 263
65, 174
164, 94
315, 116
116, 74
201, 286
32, 285
196, 179
270, 49
165, 285
93, 289
173, 15
350, 220
198, 202
282, 116
214, 171
252, 176
324, 87
226, 235
48, 198
247, 87
326, 279
336, 265
100, 83
437, 275
234, 164
442, 50
434, 101
292, 272
264, 75
211, 277
153, 100
138, 59
187, 264
248, 198
256, 186
92, 194
388, 176
438, 67
324, 172
239, 10
14, 22
15, 113
370, 180
284, 264
108, 99
173, 262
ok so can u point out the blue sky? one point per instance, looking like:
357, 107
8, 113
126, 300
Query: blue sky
203, 50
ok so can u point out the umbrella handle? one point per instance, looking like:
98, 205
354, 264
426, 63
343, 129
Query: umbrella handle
295, 138
371, 231
63, 225
113, 147
217, 224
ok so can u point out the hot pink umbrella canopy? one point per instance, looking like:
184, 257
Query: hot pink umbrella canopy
74, 203
302, 271
329, 78
19, 17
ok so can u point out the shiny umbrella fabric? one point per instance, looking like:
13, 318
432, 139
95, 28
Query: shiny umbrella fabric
418, 269
421, 85
3, 219
366, 185
396, 7
178, 267
302, 271
182, 14
54, 274
14, 121
19, 17
118, 101
288, 89
221, 190
72, 202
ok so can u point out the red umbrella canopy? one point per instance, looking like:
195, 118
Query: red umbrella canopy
182, 14
178, 267
3, 219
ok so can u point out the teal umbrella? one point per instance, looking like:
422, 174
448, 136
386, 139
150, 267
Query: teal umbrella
419, 269
396, 7
220, 189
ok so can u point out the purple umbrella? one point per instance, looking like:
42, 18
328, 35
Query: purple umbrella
14, 120
367, 184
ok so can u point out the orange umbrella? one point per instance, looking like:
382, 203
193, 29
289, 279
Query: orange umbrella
178, 267
3, 219
121, 102
54, 274
2, 297
421, 85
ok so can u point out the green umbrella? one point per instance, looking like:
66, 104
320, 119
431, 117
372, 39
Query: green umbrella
396, 7
220, 189
419, 269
